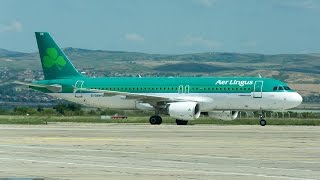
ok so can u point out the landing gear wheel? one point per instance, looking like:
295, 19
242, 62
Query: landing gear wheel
181, 122
155, 120
263, 122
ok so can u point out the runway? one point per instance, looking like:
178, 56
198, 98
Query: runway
132, 151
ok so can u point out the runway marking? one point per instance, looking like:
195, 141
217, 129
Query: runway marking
155, 169
169, 161
89, 139
176, 162
275, 168
166, 154
19, 152
163, 128
153, 160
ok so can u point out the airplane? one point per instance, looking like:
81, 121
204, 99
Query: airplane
183, 98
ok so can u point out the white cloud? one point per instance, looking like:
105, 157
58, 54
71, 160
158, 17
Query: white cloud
206, 3
13, 26
308, 4
304, 4
199, 41
134, 37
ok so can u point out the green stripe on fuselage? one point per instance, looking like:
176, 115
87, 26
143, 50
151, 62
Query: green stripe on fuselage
168, 85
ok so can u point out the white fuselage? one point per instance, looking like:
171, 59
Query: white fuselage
207, 101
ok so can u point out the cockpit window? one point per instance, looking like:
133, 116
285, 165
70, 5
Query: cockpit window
286, 88
281, 88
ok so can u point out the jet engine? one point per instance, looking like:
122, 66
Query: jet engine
224, 115
184, 110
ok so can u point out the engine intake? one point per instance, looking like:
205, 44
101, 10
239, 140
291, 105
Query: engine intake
184, 110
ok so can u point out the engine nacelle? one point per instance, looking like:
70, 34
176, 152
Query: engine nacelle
184, 110
224, 115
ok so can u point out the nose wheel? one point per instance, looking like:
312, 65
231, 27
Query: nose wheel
263, 122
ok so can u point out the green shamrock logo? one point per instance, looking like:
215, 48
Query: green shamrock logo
52, 59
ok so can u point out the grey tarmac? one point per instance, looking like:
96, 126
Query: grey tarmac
141, 151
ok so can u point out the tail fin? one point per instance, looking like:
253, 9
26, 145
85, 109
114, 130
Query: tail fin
55, 63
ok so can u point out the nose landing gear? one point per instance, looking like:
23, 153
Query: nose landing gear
263, 122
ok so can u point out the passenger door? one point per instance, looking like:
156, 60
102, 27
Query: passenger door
186, 89
77, 90
180, 89
257, 91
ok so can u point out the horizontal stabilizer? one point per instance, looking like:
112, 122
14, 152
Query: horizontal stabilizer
54, 87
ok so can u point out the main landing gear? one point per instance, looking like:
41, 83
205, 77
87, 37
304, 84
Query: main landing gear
156, 119
263, 122
181, 122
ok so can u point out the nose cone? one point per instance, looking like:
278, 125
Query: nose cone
295, 99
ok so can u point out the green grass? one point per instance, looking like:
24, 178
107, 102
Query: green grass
6, 119
251, 121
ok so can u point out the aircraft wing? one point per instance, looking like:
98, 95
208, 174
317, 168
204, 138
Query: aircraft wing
128, 95
149, 98
53, 87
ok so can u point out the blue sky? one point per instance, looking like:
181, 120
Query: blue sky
166, 26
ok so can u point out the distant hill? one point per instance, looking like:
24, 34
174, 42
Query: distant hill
190, 67
289, 67
7, 53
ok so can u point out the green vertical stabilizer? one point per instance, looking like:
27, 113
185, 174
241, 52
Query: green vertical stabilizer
55, 63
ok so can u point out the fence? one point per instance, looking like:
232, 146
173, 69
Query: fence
282, 115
